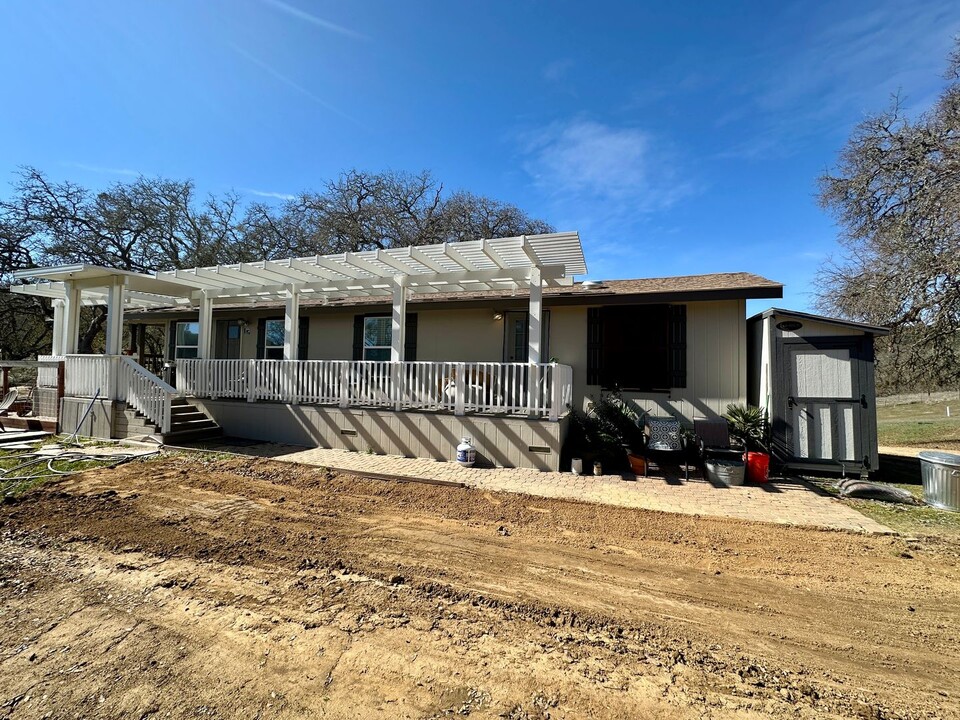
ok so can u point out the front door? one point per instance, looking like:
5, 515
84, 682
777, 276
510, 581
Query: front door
822, 406
228, 337
516, 338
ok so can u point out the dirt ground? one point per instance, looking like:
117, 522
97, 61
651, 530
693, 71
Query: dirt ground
218, 588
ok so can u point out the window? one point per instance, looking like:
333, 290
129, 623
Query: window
373, 334
637, 347
270, 338
273, 340
377, 334
186, 339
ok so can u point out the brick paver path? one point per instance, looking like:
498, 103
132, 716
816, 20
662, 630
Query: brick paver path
787, 501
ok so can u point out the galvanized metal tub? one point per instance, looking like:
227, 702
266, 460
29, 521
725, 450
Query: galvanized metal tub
941, 479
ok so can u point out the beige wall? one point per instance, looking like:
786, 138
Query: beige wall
716, 349
460, 335
716, 365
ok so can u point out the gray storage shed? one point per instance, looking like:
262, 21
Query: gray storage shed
815, 377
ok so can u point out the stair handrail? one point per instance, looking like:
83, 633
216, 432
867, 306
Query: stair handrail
145, 392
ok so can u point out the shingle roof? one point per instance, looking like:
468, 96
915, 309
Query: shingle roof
665, 289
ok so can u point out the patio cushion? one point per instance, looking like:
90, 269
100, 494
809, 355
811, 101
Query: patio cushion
664, 434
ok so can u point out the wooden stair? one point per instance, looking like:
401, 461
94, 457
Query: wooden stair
187, 423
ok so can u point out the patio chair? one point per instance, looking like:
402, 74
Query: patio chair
665, 436
6, 405
712, 441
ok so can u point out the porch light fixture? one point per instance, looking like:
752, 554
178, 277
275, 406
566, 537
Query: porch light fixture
498, 316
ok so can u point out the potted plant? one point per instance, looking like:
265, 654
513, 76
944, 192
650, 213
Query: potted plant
750, 428
610, 432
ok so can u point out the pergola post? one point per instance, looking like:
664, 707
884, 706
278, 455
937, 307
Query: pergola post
58, 313
535, 315
205, 321
291, 322
71, 317
115, 317
398, 329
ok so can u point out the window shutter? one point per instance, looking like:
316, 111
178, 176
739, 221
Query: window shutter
304, 329
358, 337
261, 337
594, 346
171, 340
678, 346
410, 344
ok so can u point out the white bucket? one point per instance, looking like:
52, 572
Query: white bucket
576, 466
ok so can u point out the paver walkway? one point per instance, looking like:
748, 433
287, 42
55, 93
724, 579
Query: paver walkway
789, 501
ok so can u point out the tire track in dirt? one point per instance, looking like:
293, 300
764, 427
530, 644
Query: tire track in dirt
599, 606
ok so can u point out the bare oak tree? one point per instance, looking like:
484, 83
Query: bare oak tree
896, 196
152, 224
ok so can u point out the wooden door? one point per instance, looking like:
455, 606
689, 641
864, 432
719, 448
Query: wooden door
822, 414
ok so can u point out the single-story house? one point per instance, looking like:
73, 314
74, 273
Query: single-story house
405, 351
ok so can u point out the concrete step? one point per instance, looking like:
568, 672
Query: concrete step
182, 436
193, 425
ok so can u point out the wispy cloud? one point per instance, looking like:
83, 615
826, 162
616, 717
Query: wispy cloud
268, 194
103, 170
270, 70
314, 20
623, 167
846, 70
557, 70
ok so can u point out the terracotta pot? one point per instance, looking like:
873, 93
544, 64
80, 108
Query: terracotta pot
638, 464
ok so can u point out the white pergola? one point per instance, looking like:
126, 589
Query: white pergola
527, 262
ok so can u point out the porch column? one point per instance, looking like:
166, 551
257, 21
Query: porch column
115, 317
398, 329
533, 332
536, 313
291, 322
58, 313
205, 334
71, 318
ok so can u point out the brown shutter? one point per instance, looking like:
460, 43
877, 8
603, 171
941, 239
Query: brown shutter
678, 346
594, 346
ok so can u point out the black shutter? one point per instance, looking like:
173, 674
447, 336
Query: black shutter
594, 346
358, 337
261, 337
172, 342
303, 333
410, 344
678, 346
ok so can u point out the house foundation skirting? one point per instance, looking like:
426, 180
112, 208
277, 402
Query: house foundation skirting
98, 422
500, 441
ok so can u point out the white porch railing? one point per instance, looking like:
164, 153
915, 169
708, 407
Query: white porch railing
47, 375
513, 388
117, 377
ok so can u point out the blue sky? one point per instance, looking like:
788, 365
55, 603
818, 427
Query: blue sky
678, 138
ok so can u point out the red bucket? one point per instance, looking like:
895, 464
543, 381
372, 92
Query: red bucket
758, 467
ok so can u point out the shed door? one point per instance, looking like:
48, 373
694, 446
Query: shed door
824, 404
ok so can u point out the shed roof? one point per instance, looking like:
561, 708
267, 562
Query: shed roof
780, 312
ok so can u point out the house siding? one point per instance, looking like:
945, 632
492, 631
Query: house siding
716, 349
716, 365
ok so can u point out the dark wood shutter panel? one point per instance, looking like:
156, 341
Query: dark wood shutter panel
304, 330
358, 337
172, 344
410, 341
594, 346
261, 337
678, 346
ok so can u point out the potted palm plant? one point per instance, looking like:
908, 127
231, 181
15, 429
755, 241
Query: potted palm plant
751, 429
